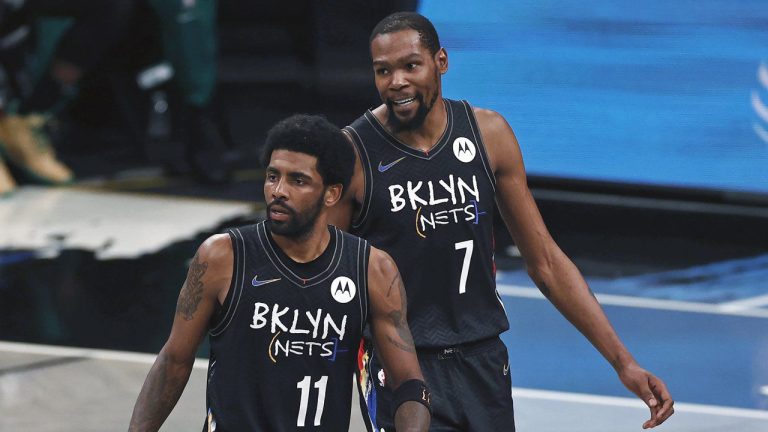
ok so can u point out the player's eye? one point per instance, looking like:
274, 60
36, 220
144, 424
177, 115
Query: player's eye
382, 71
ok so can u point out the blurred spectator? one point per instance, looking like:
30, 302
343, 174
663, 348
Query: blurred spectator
188, 29
96, 27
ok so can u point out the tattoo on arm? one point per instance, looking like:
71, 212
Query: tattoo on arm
158, 396
399, 320
192, 291
394, 282
406, 341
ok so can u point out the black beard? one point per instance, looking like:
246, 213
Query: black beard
396, 125
299, 224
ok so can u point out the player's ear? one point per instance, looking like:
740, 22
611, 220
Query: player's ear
441, 59
333, 194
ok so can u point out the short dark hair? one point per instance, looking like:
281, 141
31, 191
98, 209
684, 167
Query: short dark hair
409, 20
315, 136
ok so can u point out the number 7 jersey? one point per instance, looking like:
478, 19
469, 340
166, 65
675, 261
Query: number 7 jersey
433, 213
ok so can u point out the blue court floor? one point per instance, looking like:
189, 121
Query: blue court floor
704, 330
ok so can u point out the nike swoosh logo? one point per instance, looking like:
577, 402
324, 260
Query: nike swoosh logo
256, 282
383, 168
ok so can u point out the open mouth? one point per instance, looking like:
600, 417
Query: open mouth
402, 102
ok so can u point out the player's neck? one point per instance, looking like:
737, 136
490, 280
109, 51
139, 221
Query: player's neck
428, 134
307, 247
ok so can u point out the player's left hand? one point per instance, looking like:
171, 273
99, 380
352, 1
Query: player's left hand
651, 390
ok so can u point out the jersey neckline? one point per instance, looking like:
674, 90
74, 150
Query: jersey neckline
285, 270
392, 140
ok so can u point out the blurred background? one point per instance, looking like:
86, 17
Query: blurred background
130, 132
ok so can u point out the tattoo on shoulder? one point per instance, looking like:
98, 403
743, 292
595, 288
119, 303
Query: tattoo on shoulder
192, 291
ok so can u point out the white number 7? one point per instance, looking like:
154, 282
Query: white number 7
469, 246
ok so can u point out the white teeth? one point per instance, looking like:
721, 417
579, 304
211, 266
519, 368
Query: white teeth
404, 101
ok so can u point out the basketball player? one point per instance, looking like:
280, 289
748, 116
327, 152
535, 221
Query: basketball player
285, 302
429, 172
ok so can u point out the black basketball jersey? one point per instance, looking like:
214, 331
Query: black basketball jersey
433, 213
284, 346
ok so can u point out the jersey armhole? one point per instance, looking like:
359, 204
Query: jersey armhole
226, 311
480, 143
361, 214
363, 257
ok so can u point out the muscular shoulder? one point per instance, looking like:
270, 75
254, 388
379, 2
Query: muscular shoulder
215, 260
490, 121
216, 250
500, 141
381, 266
384, 284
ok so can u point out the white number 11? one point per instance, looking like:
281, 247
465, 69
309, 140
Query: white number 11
303, 385
468, 245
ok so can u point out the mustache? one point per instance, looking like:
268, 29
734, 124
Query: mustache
280, 205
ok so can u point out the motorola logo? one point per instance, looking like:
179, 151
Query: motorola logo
343, 289
464, 149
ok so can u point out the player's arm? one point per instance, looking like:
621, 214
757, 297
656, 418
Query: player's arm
341, 213
207, 282
394, 343
554, 273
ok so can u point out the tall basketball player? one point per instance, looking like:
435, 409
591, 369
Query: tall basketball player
285, 302
429, 172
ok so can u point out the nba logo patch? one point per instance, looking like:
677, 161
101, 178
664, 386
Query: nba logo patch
464, 149
343, 289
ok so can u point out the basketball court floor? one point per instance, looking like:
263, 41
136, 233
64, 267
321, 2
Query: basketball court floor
75, 361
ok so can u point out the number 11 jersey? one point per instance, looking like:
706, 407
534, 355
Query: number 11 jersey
284, 344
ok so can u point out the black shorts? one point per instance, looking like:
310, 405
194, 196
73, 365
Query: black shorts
470, 384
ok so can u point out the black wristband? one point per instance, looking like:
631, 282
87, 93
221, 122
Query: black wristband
412, 390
